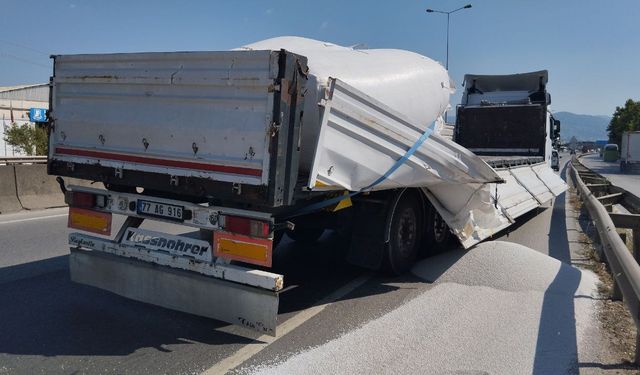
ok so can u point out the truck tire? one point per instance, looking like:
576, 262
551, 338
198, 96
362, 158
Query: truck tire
405, 235
305, 234
438, 234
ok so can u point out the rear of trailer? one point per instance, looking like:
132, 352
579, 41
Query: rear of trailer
238, 147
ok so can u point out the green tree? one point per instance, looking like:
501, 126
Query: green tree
625, 118
29, 139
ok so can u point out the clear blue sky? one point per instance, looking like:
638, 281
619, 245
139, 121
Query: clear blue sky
591, 48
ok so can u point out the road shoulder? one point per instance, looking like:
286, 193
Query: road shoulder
604, 328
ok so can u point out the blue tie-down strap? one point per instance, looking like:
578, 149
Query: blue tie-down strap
319, 205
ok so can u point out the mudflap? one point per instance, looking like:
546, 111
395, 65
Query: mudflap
176, 289
371, 220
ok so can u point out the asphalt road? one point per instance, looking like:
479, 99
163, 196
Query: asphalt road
51, 325
611, 170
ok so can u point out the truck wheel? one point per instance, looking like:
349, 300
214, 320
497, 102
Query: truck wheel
405, 235
305, 234
438, 233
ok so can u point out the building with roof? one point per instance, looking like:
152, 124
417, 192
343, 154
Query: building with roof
15, 103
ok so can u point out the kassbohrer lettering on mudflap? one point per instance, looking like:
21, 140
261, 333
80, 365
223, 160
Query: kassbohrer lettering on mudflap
174, 245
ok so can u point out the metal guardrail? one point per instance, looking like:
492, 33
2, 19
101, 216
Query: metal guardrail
12, 160
599, 197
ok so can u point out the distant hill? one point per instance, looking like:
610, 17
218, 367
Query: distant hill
583, 127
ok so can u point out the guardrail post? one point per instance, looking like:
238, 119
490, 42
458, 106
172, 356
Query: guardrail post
598, 247
616, 294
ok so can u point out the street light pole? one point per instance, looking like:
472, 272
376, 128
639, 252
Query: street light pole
448, 19
447, 62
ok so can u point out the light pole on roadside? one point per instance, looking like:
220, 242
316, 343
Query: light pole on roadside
448, 16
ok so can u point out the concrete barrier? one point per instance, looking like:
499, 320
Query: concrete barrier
8, 194
30, 187
36, 189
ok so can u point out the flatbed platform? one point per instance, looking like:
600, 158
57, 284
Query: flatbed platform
508, 161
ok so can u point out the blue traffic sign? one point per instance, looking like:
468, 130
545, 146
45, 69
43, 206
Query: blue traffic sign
38, 114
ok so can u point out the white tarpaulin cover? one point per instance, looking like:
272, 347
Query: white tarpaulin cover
469, 210
411, 84
513, 197
367, 126
361, 141
550, 179
528, 178
516, 196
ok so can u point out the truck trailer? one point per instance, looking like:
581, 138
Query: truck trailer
505, 119
630, 151
284, 136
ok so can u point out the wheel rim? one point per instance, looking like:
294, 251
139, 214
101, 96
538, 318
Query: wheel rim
406, 232
439, 228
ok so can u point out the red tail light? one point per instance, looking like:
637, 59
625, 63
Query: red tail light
248, 227
84, 200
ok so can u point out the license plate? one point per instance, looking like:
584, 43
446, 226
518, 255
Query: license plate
163, 210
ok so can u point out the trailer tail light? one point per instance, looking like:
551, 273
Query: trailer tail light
89, 220
85, 200
248, 227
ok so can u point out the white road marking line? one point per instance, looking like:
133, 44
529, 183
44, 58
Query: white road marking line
31, 219
249, 350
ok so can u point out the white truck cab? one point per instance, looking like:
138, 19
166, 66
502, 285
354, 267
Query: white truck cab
555, 161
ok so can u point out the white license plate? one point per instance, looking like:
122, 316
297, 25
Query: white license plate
167, 211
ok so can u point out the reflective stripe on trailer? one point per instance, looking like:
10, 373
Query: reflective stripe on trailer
158, 161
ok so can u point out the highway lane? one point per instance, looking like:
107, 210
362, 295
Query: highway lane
35, 242
32, 236
55, 326
611, 170
498, 308
549, 221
